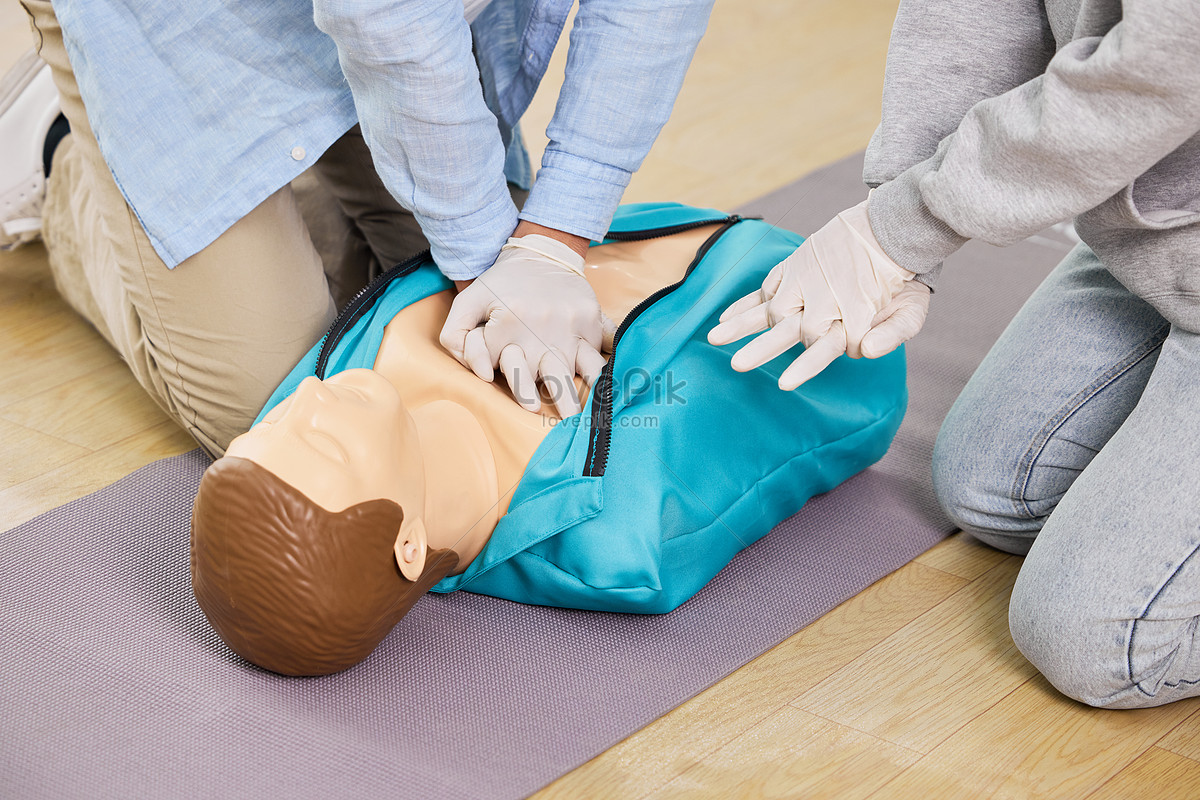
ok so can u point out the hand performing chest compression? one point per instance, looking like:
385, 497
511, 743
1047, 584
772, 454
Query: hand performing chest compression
534, 317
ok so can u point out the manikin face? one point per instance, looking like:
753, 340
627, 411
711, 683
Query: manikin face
343, 441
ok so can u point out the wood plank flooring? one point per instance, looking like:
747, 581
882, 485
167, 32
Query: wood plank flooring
912, 688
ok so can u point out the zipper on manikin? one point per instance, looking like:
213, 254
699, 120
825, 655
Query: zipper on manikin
668, 230
359, 305
602, 393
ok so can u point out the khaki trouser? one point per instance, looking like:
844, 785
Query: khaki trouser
212, 338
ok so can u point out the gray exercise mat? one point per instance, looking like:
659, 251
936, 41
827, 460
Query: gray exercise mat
114, 685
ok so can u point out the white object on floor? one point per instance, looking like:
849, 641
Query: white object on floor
28, 107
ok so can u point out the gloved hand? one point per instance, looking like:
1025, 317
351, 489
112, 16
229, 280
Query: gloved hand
533, 315
837, 293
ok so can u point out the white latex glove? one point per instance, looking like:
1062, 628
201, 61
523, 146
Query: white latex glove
533, 315
837, 293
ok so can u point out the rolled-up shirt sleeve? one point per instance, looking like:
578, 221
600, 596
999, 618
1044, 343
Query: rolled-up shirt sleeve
435, 144
1103, 112
625, 65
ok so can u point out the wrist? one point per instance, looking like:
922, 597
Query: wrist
578, 244
905, 227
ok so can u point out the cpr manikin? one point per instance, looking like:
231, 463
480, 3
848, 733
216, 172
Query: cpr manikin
325, 522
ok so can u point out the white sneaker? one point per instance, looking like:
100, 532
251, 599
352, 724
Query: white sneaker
28, 107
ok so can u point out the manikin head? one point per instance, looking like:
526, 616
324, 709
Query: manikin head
308, 541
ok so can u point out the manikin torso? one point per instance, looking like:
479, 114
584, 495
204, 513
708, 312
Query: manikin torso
476, 441
419, 457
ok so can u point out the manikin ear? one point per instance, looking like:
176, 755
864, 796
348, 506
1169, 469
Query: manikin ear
411, 545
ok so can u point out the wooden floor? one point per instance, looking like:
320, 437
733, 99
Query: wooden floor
913, 688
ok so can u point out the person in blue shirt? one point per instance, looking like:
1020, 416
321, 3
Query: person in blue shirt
172, 227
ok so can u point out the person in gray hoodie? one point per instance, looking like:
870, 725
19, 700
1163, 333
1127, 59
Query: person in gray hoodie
1077, 441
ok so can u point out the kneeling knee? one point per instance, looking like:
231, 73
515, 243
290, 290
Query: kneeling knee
1052, 637
974, 490
1081, 650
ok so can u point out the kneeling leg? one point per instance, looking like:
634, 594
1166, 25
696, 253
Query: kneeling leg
1107, 604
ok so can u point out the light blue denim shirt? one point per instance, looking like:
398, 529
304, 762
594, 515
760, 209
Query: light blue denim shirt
203, 110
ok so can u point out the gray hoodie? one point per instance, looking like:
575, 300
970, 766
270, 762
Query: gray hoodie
1003, 117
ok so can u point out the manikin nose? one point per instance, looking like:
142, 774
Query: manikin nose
316, 389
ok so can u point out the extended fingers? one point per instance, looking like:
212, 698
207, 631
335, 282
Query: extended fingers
752, 319
774, 342
763, 294
749, 314
819, 355
742, 305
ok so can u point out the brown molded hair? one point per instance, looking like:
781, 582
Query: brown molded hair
290, 586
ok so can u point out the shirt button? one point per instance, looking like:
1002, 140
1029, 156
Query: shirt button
298, 153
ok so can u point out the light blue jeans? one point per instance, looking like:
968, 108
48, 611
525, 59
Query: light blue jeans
1077, 442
